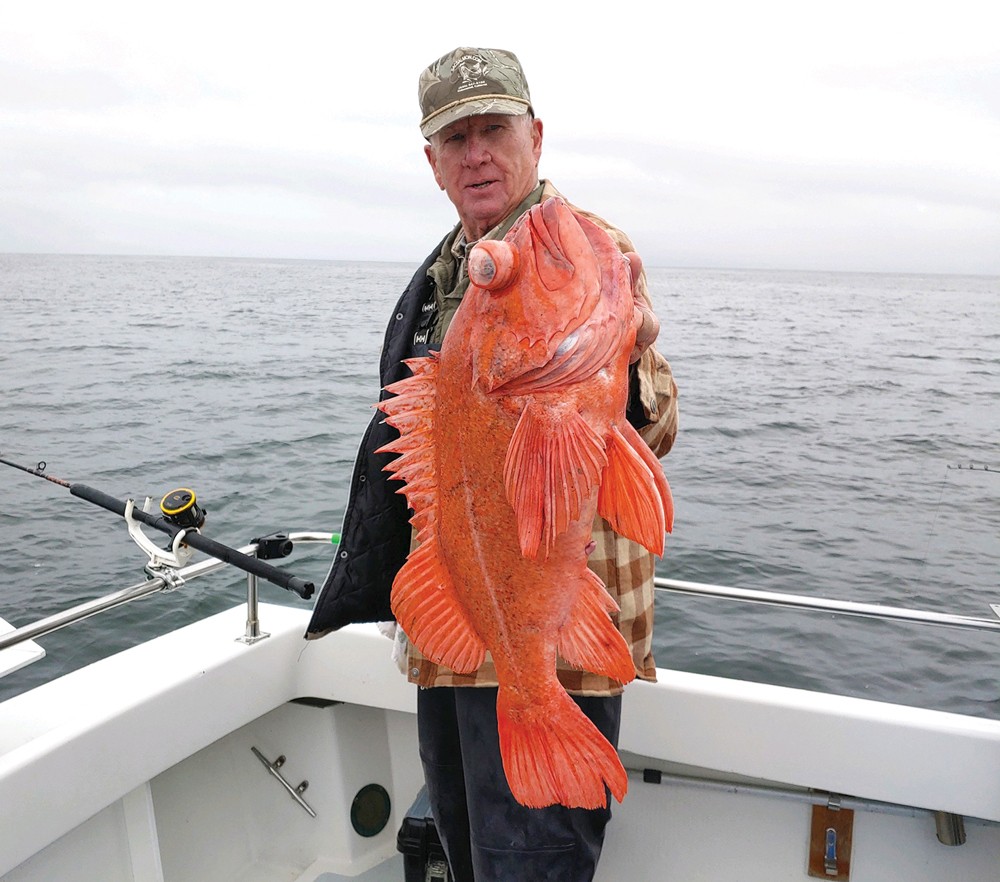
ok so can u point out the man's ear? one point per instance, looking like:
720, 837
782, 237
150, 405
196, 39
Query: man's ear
432, 159
536, 139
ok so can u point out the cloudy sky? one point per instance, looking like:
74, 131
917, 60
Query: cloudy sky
844, 136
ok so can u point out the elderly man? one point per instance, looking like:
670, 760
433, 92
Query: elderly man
483, 145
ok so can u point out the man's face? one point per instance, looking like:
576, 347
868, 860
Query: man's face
486, 164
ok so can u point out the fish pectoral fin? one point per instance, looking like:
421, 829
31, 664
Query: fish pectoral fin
426, 605
554, 462
589, 640
635, 496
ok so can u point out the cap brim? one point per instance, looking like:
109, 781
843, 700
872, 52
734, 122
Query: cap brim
472, 107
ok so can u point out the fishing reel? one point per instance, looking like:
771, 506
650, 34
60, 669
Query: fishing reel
180, 508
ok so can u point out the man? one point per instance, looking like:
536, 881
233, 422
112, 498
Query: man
484, 145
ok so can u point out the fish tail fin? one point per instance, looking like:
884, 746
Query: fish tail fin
589, 639
635, 497
552, 753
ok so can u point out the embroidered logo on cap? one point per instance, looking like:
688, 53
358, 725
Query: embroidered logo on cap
472, 69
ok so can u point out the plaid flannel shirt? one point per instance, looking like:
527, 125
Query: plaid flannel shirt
625, 567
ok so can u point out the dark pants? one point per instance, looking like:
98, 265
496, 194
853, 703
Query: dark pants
487, 835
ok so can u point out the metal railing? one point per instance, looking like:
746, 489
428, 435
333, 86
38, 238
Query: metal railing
171, 579
168, 580
841, 607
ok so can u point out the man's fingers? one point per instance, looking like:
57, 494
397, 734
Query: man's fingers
635, 265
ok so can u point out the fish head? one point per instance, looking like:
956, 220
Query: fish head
533, 290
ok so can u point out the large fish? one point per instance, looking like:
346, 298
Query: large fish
510, 439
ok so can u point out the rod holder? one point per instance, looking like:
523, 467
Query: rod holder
253, 633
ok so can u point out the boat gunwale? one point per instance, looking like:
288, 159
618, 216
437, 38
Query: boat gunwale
168, 699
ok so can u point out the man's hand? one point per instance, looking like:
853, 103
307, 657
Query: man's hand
647, 325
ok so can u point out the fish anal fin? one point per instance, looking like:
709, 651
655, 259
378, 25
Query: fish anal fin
426, 605
589, 640
635, 497
552, 753
554, 462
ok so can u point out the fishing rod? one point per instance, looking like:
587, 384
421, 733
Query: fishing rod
181, 518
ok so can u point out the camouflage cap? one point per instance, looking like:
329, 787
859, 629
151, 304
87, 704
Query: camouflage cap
467, 82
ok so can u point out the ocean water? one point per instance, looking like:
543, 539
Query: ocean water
823, 420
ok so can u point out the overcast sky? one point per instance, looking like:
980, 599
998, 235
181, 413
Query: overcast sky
843, 136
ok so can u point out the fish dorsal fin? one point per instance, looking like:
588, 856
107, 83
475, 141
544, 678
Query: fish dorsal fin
554, 462
424, 599
411, 411
589, 640
635, 497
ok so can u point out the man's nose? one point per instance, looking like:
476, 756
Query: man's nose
476, 151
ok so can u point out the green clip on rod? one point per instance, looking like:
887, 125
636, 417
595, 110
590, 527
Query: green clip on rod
180, 514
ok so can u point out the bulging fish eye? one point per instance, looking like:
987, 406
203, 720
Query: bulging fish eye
493, 265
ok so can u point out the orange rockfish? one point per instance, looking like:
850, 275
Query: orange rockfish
511, 439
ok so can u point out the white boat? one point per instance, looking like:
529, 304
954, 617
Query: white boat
217, 753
